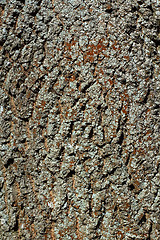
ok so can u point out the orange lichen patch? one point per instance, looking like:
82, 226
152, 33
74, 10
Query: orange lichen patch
126, 205
120, 234
34, 132
52, 197
126, 57
86, 169
46, 235
96, 213
77, 229
100, 47
98, 72
18, 189
45, 144
36, 64
41, 71
69, 45
13, 106
52, 231
43, 103
72, 78
38, 115
149, 138
148, 110
73, 116
148, 132
125, 98
69, 57
14, 142
94, 50
19, 229
141, 151
27, 223
134, 151
136, 184
110, 24
101, 71
71, 164
140, 140
78, 64
125, 109
33, 231
15, 165
114, 45
108, 7
56, 84
110, 81
65, 231
124, 95
89, 58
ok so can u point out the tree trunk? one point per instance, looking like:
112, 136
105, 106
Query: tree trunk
79, 112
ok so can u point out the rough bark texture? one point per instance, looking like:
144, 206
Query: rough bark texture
79, 112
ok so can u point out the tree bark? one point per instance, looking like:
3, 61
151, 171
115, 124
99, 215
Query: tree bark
79, 117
